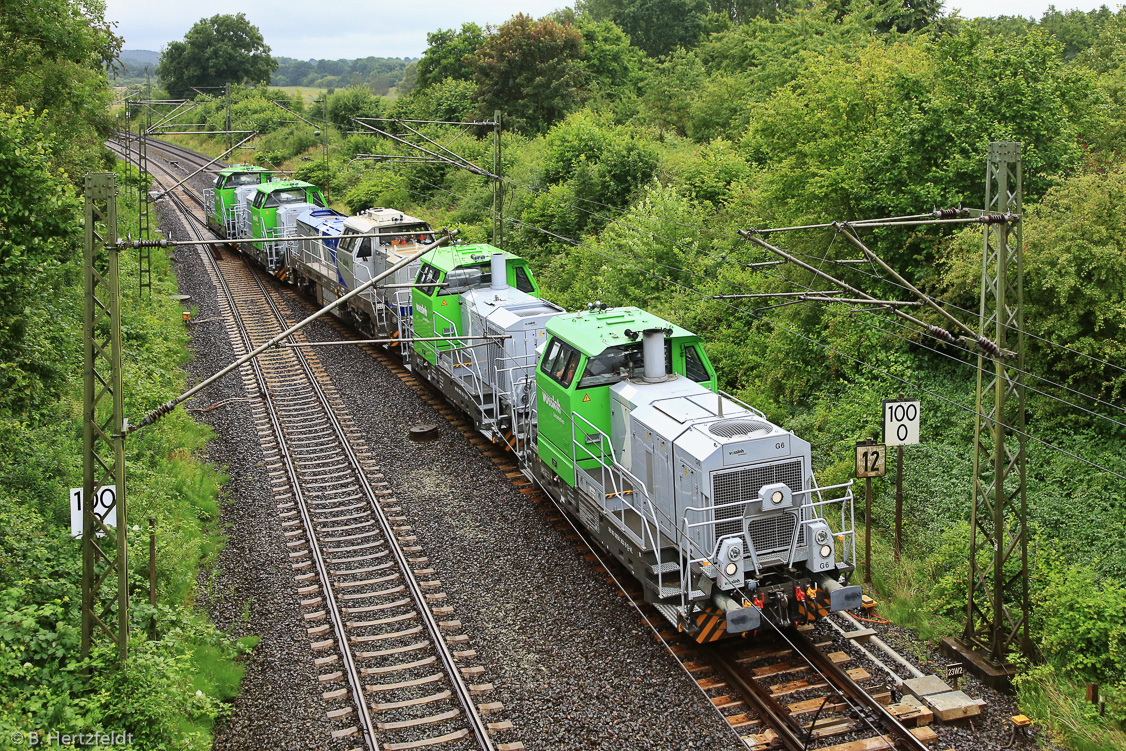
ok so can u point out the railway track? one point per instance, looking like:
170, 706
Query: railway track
396, 671
389, 645
776, 693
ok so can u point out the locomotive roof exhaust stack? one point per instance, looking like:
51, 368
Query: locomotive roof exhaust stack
654, 353
500, 273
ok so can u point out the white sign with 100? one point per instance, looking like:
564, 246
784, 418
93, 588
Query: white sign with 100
901, 422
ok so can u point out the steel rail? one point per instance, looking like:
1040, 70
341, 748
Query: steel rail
478, 726
351, 671
191, 192
789, 731
348, 663
773, 714
903, 738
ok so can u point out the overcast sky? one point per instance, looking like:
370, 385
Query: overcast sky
397, 29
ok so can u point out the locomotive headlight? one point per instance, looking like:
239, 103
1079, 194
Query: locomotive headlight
734, 553
822, 537
826, 551
731, 569
777, 497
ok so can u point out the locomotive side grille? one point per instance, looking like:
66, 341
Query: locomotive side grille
744, 485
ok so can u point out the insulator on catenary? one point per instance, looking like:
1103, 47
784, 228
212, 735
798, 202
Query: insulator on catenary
157, 413
993, 218
162, 243
988, 346
940, 333
945, 213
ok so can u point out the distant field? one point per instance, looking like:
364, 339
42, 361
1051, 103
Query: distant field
308, 93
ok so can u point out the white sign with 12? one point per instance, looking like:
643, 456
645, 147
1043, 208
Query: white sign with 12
105, 498
901, 422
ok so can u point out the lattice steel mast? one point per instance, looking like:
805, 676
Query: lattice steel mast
997, 610
103, 411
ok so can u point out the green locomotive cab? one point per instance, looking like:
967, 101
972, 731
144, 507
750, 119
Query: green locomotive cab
271, 216
231, 187
446, 273
586, 353
477, 324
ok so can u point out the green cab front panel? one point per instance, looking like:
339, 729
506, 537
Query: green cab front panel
269, 197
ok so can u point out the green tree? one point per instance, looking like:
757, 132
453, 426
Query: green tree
409, 81
905, 16
1075, 30
216, 51
671, 89
1075, 281
451, 100
741, 11
655, 26
895, 128
613, 65
354, 102
532, 70
53, 58
448, 55
594, 169
40, 215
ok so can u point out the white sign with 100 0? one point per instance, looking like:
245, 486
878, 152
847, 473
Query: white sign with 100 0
901, 422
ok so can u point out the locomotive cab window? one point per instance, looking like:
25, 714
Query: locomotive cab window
618, 363
523, 283
694, 366
465, 278
427, 277
412, 233
560, 362
364, 251
292, 195
241, 178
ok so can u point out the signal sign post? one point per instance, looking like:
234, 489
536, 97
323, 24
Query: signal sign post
871, 462
901, 428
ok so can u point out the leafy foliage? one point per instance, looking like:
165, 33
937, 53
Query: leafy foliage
344, 105
376, 74
216, 51
628, 183
647, 23
449, 55
1075, 281
40, 215
531, 70
52, 59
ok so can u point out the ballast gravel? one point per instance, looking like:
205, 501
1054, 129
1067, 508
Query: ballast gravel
572, 662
